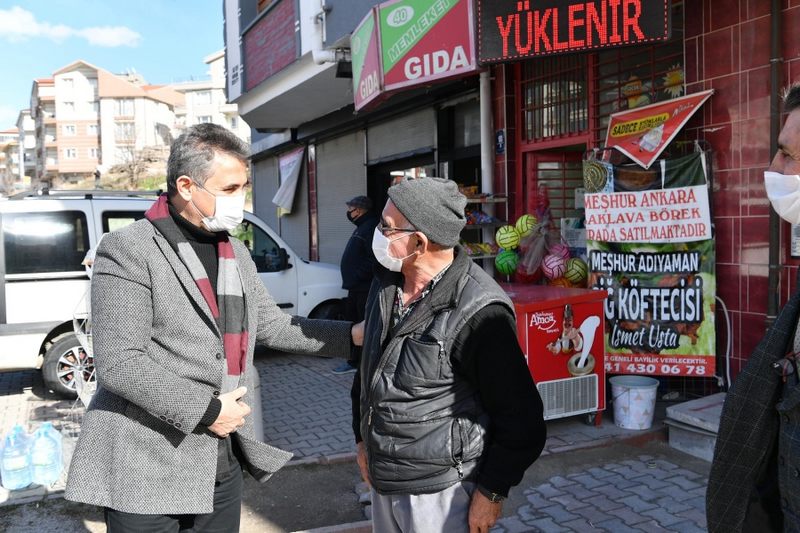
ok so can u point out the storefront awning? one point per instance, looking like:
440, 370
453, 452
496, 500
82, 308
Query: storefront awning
408, 43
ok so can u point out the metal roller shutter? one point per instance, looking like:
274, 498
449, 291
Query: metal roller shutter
404, 135
341, 174
265, 185
294, 226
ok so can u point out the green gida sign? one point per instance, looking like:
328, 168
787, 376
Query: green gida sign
418, 42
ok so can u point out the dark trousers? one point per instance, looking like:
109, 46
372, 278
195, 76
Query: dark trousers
224, 519
355, 308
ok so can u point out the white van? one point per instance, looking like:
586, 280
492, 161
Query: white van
44, 238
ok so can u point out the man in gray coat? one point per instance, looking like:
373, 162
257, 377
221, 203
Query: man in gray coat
178, 308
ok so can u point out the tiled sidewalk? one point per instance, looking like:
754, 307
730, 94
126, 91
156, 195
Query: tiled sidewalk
641, 494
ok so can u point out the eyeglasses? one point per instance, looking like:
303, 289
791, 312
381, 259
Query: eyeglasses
387, 230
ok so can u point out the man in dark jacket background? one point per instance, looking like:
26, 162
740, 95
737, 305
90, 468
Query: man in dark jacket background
445, 413
358, 267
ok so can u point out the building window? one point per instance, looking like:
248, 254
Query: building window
204, 119
124, 131
70, 153
234, 123
69, 106
92, 130
555, 100
69, 129
94, 153
636, 76
95, 106
203, 97
93, 83
123, 107
69, 83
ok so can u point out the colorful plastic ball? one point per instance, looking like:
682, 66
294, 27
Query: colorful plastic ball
576, 271
507, 237
553, 266
560, 250
525, 225
506, 262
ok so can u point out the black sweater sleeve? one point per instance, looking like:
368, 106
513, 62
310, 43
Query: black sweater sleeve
487, 353
355, 403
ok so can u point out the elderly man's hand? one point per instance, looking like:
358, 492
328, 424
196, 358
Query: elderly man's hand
357, 331
231, 415
361, 458
483, 513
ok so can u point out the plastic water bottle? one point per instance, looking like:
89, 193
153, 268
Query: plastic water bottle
15, 465
45, 456
23, 435
56, 434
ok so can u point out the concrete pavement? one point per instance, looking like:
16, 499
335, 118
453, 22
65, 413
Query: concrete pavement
306, 410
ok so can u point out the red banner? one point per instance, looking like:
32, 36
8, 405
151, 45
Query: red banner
644, 132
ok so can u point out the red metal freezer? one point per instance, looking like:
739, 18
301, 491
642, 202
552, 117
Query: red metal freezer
561, 333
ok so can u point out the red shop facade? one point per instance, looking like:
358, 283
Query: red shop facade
552, 108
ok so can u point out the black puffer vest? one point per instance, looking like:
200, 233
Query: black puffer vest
423, 425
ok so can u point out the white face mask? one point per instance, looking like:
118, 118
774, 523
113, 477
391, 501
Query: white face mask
784, 195
228, 212
380, 247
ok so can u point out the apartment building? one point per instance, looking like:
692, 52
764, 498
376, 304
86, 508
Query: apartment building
88, 120
27, 147
9, 160
206, 100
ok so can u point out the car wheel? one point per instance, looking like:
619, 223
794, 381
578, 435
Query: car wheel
328, 311
62, 361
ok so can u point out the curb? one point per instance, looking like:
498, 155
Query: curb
365, 526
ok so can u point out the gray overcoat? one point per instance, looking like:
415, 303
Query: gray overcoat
158, 355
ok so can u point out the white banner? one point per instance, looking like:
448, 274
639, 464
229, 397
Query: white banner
653, 216
290, 165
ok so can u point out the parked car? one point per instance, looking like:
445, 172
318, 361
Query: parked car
44, 237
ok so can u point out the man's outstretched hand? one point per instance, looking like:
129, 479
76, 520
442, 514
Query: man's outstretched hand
232, 413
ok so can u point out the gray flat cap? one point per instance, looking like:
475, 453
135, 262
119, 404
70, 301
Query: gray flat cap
434, 206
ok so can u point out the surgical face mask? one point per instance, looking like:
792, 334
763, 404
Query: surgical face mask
380, 247
228, 212
784, 194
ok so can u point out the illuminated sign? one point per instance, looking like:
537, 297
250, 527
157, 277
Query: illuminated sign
510, 29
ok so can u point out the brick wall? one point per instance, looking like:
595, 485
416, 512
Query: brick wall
270, 45
727, 49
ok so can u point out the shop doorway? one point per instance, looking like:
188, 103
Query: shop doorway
382, 176
558, 173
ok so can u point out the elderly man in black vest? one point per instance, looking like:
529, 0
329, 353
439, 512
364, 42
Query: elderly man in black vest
754, 483
445, 413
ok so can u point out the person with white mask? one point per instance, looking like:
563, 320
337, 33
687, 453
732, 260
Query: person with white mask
754, 483
446, 416
178, 308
